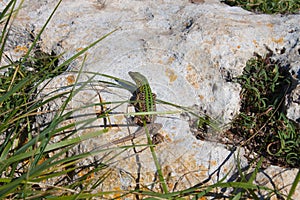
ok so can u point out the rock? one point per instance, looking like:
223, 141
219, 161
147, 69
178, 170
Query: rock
188, 50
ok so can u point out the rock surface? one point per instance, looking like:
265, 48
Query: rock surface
188, 52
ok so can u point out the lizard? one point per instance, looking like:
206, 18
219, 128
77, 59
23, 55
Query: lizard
143, 98
144, 101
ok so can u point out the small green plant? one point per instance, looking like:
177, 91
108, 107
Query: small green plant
267, 6
262, 122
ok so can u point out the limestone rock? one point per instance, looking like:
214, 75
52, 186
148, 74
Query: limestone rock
188, 50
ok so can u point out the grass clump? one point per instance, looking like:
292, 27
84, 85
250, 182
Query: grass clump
31, 166
19, 87
262, 122
267, 6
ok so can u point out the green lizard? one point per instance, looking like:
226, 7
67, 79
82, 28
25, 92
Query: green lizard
145, 102
144, 99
